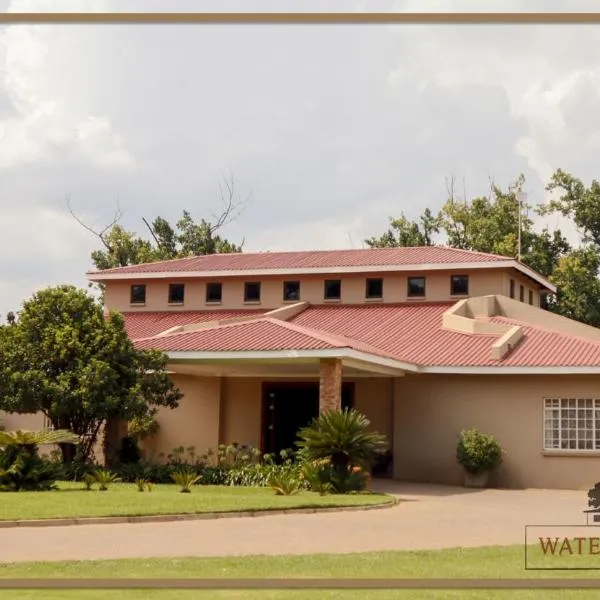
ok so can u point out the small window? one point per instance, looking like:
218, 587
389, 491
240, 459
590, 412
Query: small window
176, 293
512, 288
459, 285
531, 297
521, 293
333, 289
374, 288
291, 291
138, 294
214, 292
252, 291
416, 287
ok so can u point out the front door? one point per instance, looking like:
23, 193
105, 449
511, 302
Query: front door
287, 407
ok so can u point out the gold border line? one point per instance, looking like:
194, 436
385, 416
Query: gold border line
300, 18
305, 584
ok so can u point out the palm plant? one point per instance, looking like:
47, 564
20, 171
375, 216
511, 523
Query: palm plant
105, 478
185, 479
284, 484
21, 466
343, 438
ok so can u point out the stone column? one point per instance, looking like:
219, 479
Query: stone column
330, 384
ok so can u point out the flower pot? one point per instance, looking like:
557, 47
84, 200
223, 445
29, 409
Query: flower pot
476, 480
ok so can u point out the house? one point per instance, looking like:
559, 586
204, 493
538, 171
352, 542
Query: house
424, 341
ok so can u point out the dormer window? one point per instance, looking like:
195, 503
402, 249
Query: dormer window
416, 287
138, 294
332, 289
459, 285
176, 293
374, 289
214, 293
252, 291
291, 291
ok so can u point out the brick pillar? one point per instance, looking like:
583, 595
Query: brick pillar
330, 384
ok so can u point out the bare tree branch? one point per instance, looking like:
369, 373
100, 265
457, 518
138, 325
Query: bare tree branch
151, 232
233, 207
101, 235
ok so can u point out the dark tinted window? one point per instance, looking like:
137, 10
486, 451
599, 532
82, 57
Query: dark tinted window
291, 290
512, 288
214, 292
530, 297
416, 287
374, 288
333, 289
522, 294
459, 285
138, 294
252, 291
176, 293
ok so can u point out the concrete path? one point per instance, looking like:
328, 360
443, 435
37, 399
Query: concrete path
431, 517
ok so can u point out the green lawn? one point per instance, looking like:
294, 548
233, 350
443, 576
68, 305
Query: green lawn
121, 499
493, 562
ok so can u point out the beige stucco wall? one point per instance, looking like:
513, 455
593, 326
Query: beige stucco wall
194, 423
431, 410
521, 280
373, 397
241, 411
481, 282
13, 421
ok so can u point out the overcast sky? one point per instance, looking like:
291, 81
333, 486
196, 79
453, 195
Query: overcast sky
332, 128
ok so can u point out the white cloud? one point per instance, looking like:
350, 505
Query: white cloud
42, 121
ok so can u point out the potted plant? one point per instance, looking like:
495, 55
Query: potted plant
478, 454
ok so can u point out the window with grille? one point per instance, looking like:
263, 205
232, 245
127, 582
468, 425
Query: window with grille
572, 424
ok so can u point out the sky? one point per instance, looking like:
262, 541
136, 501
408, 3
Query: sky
329, 129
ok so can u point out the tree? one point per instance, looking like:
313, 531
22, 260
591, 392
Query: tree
187, 238
491, 224
406, 233
65, 359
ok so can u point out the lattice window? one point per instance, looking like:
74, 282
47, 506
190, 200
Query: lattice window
572, 424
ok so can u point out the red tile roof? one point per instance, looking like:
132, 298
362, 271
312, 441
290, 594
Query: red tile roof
410, 333
147, 324
259, 334
317, 259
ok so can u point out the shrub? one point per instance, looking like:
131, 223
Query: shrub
478, 452
89, 480
284, 484
185, 479
104, 478
141, 484
21, 466
340, 440
316, 477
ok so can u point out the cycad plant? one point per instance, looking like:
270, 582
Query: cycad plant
21, 466
104, 478
185, 479
343, 439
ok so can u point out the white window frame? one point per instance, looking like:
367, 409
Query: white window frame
571, 425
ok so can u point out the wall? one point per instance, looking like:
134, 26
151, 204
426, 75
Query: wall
194, 423
521, 280
241, 411
373, 398
481, 282
30, 422
431, 410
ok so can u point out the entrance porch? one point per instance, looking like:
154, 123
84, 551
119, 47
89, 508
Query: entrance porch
263, 404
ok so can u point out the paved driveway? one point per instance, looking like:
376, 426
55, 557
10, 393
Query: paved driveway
431, 517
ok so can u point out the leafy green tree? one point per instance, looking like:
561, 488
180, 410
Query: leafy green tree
121, 248
65, 359
405, 233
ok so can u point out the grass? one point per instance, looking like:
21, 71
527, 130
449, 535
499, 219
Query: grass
123, 499
492, 562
